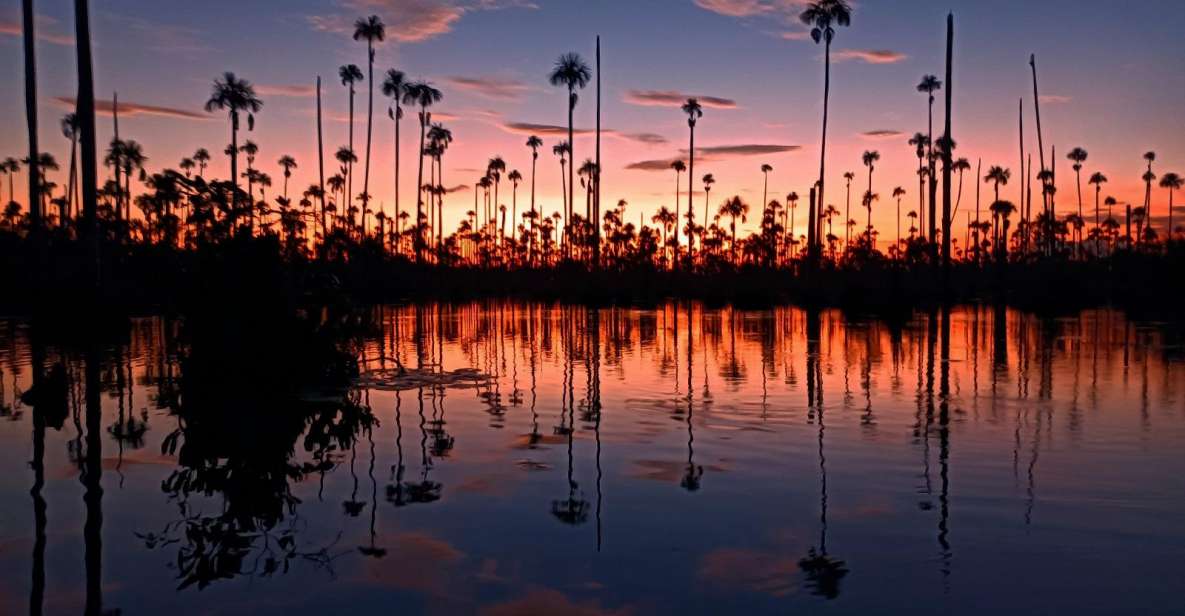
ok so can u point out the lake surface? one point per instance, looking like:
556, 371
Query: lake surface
505, 458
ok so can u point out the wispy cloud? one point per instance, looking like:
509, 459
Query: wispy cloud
297, 91
12, 27
750, 8
1054, 99
157, 36
870, 56
881, 133
555, 130
128, 108
674, 98
715, 153
490, 87
748, 149
409, 21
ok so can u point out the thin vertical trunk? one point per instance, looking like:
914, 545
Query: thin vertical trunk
690, 205
86, 133
349, 196
369, 130
947, 151
571, 164
72, 183
398, 117
813, 241
118, 167
810, 230
1040, 139
1020, 114
597, 172
534, 215
34, 169
419, 239
321, 161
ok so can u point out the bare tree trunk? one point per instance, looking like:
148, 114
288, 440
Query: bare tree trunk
948, 150
34, 168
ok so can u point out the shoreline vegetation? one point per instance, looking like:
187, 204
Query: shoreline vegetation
178, 238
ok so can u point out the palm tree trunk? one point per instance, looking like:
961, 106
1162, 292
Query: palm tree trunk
571, 161
534, 216
947, 151
349, 196
822, 152
321, 162
369, 128
398, 117
28, 36
597, 172
85, 109
72, 184
234, 160
419, 239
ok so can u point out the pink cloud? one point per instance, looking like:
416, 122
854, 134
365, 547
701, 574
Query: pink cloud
13, 28
298, 91
501, 89
673, 98
128, 108
870, 56
409, 21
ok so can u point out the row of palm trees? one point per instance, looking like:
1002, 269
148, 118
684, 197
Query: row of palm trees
183, 208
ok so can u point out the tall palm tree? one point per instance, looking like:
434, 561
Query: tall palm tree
350, 74
423, 95
561, 150
85, 109
708, 180
928, 86
1148, 177
371, 30
515, 177
534, 143
921, 142
393, 87
571, 72
250, 149
792, 199
961, 166
1098, 179
494, 170
897, 194
28, 35
202, 158
765, 169
1001, 210
1172, 182
869, 158
235, 96
287, 163
848, 176
679, 167
999, 176
70, 131
694, 112
822, 16
1078, 156
734, 208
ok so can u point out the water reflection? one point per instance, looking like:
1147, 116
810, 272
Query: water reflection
678, 445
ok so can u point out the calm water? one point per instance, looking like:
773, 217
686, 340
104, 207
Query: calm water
546, 459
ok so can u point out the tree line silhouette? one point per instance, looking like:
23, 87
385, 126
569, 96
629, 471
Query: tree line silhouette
185, 210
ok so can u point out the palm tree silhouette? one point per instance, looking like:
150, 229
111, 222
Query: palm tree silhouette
1078, 156
679, 167
233, 95
1098, 179
202, 157
694, 112
350, 74
869, 158
423, 95
821, 15
562, 150
393, 88
999, 176
371, 29
897, 194
1148, 177
960, 166
534, 143
28, 35
571, 72
734, 208
69, 127
708, 180
515, 177
1172, 182
765, 169
928, 86
848, 176
287, 164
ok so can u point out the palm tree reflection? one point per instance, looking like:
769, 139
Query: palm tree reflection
823, 572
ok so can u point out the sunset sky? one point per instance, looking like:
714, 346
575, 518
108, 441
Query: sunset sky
1111, 77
